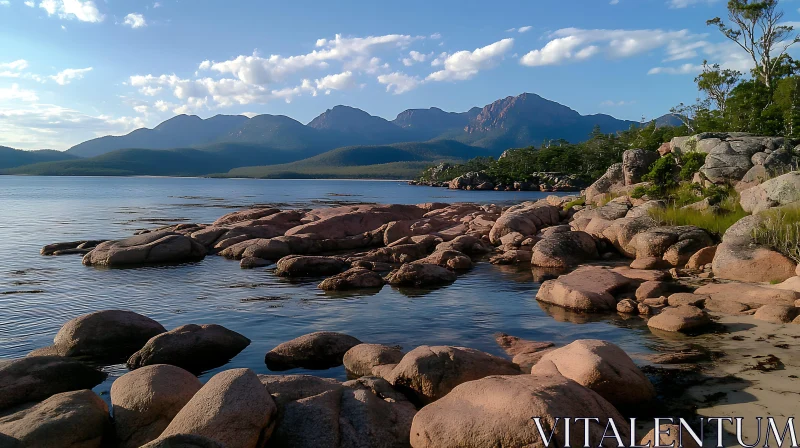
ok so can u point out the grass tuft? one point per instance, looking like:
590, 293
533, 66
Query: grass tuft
780, 230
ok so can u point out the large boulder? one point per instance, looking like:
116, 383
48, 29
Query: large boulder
749, 294
498, 411
147, 248
636, 163
683, 318
193, 347
420, 275
347, 221
233, 408
354, 278
751, 263
319, 350
38, 377
105, 335
146, 400
622, 233
466, 244
588, 288
602, 367
562, 250
363, 358
450, 259
776, 314
76, 419
613, 177
673, 244
526, 218
322, 413
266, 249
299, 266
782, 190
730, 156
430, 372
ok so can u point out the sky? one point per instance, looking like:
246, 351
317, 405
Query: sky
72, 70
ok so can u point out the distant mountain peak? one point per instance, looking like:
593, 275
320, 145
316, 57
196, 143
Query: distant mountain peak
350, 119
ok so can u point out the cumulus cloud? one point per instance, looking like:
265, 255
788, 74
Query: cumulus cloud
66, 76
5, 2
436, 36
684, 69
524, 29
399, 82
29, 3
16, 93
340, 81
82, 10
135, 20
13, 69
463, 65
414, 57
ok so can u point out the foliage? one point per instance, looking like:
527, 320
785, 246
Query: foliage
570, 204
662, 173
714, 223
690, 164
717, 83
780, 230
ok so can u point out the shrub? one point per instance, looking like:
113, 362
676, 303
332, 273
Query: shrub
662, 173
691, 163
781, 231
579, 201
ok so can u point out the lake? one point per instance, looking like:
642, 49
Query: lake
38, 294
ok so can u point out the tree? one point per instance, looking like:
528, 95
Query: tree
716, 83
757, 30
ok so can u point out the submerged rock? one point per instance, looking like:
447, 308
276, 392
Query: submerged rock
72, 247
299, 266
354, 278
420, 275
319, 350
38, 377
450, 259
148, 248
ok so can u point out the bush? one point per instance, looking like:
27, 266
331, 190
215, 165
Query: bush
781, 231
662, 174
691, 163
579, 201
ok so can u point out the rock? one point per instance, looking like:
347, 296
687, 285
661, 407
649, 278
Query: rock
723, 165
669, 435
512, 239
683, 318
253, 262
664, 149
602, 367
636, 163
466, 244
651, 289
430, 372
146, 400
621, 234
320, 350
776, 192
644, 309
354, 278
627, 306
674, 244
183, 441
741, 232
701, 258
233, 409
646, 263
512, 257
193, 347
645, 209
525, 353
566, 249
776, 314
612, 178
751, 264
301, 266
76, 419
681, 357
497, 411
148, 248
725, 306
266, 249
450, 259
37, 377
105, 335
588, 288
526, 218
72, 247
362, 358
245, 215
321, 413
686, 298
420, 275
641, 275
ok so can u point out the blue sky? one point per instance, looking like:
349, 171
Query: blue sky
71, 70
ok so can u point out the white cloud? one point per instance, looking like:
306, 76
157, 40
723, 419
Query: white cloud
684, 69
83, 10
156, 5
18, 65
610, 103
16, 93
463, 65
686, 3
5, 2
341, 81
436, 36
399, 82
524, 29
66, 76
29, 3
574, 44
414, 57
135, 20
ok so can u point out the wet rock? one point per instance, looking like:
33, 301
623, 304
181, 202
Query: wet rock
496, 412
525, 353
319, 350
267, 249
301, 266
245, 215
466, 244
354, 278
512, 257
588, 288
644, 309
363, 358
776, 314
430, 372
751, 264
753, 295
38, 377
701, 258
669, 435
233, 409
684, 318
72, 247
148, 248
253, 262
776, 192
602, 367
687, 298
105, 335
450, 259
566, 249
146, 400
627, 306
321, 413
192, 347
401, 253
526, 218
420, 275
76, 419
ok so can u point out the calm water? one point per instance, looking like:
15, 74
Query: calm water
38, 294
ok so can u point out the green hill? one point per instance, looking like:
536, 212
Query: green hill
10, 157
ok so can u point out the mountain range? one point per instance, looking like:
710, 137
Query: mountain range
189, 145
